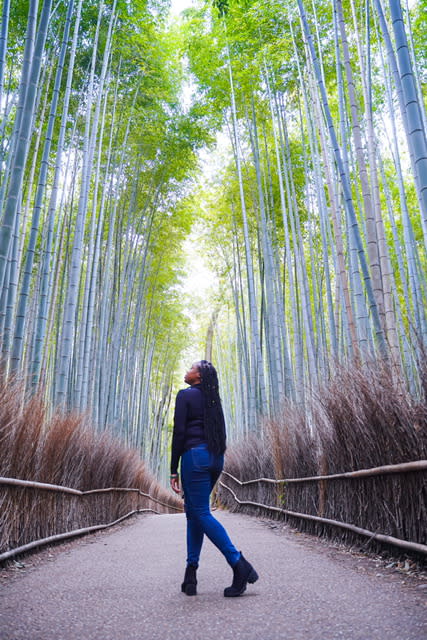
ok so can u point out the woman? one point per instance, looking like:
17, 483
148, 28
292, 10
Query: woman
199, 441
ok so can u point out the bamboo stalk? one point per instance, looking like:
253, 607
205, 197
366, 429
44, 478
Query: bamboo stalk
15, 482
141, 493
64, 536
405, 467
404, 544
39, 485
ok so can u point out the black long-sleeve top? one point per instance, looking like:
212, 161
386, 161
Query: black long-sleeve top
188, 423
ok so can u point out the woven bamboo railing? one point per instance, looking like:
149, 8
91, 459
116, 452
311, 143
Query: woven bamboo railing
418, 465
42, 486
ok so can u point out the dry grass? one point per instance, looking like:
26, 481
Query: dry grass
362, 418
65, 451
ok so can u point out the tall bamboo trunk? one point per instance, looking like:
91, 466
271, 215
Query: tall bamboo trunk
345, 186
22, 141
28, 268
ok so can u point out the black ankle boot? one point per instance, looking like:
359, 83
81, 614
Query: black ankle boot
190, 582
243, 572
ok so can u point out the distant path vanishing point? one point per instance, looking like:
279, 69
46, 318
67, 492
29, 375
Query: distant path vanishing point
124, 584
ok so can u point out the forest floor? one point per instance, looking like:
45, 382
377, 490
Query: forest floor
124, 584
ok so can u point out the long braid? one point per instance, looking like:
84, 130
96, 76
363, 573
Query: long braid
214, 422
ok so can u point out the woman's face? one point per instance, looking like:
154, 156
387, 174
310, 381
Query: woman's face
193, 375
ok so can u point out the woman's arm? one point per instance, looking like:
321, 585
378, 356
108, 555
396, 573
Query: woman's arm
178, 438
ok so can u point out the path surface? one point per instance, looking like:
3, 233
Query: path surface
124, 584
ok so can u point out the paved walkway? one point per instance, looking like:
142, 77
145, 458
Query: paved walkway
124, 584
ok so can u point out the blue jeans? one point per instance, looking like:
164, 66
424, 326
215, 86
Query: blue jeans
200, 469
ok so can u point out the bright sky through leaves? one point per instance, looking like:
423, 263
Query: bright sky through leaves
179, 5
199, 279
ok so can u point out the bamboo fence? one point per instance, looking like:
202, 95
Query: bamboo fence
41, 486
409, 467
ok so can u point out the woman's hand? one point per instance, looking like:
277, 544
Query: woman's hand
175, 484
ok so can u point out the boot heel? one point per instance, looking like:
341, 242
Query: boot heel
190, 589
253, 576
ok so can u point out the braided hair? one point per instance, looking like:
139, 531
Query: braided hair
214, 423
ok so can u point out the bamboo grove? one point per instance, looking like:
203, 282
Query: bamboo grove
320, 208
314, 220
95, 156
